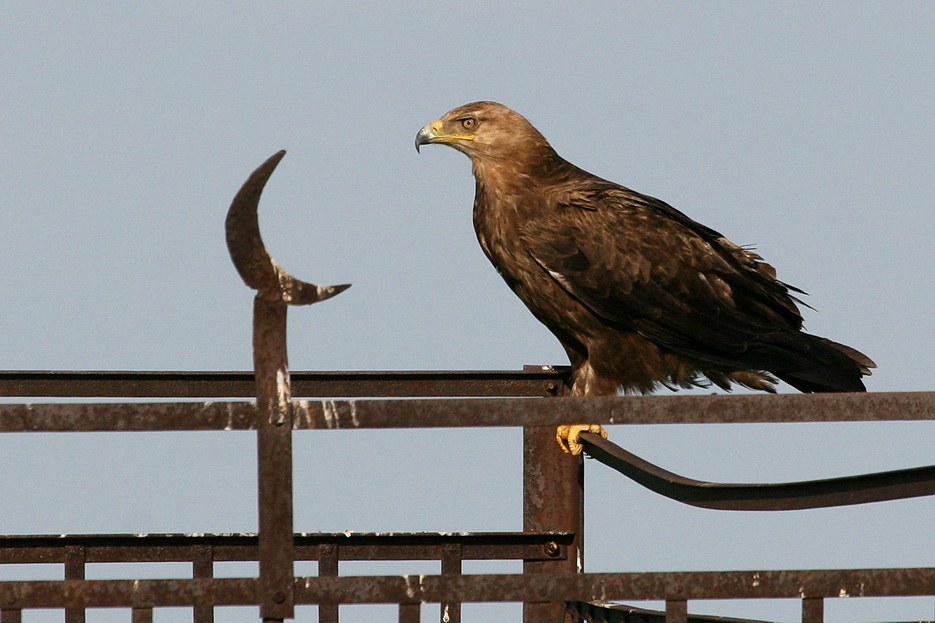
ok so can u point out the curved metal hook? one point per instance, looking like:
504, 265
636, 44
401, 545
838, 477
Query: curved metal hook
255, 265
878, 487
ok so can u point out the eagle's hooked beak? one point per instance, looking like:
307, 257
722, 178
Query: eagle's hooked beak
432, 133
426, 135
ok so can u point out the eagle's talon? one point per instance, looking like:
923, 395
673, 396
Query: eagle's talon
568, 436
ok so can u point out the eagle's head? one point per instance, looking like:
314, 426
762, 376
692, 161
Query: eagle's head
485, 130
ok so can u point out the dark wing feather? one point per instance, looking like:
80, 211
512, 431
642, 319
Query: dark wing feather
638, 262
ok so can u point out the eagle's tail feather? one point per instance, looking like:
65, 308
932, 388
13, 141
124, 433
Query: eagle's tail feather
815, 364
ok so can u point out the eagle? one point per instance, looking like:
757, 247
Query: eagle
639, 295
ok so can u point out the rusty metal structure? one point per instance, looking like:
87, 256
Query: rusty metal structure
552, 586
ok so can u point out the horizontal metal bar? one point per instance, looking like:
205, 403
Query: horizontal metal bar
479, 588
621, 586
462, 412
531, 381
847, 490
243, 547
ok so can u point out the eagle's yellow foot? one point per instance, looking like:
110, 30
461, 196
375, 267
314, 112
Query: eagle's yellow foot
568, 436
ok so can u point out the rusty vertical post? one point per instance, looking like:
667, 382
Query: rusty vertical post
410, 613
141, 615
676, 611
75, 557
203, 568
11, 615
813, 610
553, 501
328, 567
451, 564
274, 456
276, 290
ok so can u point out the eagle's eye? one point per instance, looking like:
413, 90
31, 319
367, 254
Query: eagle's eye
469, 123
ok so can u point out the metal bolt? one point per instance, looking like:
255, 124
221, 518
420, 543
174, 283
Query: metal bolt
552, 549
279, 597
551, 387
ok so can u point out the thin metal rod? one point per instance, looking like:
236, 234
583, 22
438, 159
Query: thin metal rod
532, 381
861, 489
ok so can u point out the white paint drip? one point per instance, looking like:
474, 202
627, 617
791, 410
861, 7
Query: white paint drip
302, 411
353, 406
230, 417
331, 419
282, 389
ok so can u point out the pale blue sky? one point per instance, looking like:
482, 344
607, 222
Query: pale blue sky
803, 128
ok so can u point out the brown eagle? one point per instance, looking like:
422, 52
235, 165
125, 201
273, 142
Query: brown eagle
639, 295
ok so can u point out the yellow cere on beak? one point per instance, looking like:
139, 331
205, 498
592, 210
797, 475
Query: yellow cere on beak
432, 133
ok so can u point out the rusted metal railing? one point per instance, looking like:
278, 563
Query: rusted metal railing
552, 586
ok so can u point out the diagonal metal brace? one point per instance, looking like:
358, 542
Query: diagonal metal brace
861, 489
276, 290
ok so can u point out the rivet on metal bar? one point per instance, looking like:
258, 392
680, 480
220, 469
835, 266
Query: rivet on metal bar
276, 290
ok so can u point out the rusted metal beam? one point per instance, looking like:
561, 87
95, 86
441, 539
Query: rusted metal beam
623, 586
531, 381
825, 493
479, 412
601, 587
204, 549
